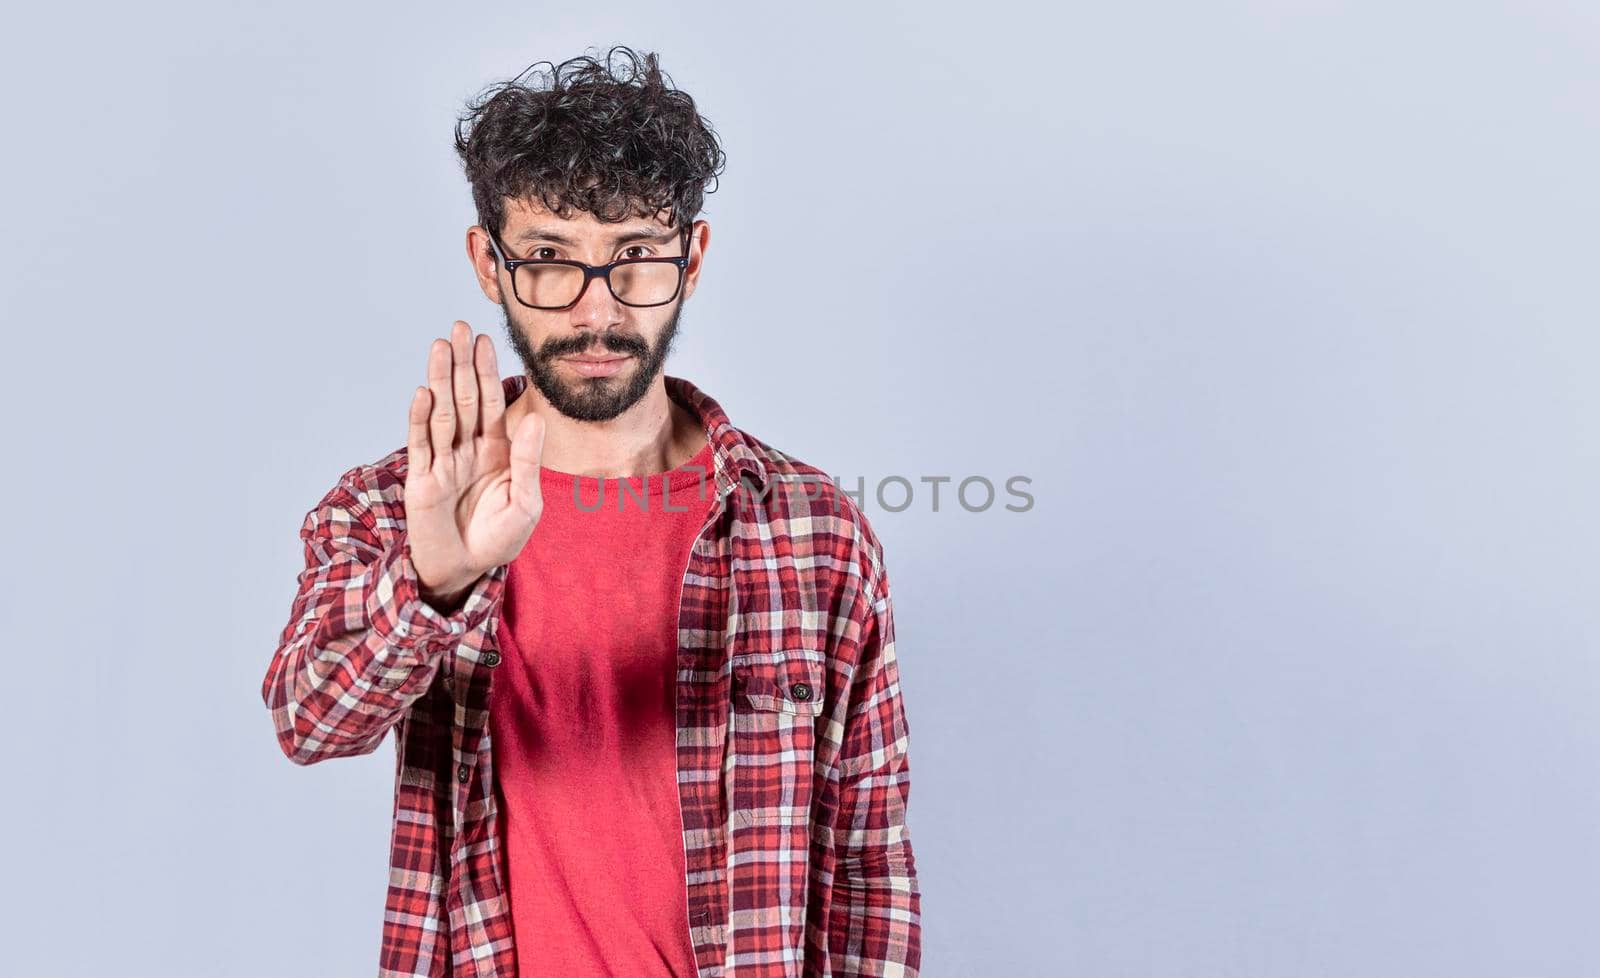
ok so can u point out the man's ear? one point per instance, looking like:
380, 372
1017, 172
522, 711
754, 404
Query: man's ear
485, 267
699, 240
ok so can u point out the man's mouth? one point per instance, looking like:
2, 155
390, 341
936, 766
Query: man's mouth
598, 366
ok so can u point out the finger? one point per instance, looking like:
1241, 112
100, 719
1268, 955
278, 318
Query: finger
419, 452
466, 383
527, 448
442, 419
494, 394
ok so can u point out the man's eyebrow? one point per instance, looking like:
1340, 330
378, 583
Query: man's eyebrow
648, 233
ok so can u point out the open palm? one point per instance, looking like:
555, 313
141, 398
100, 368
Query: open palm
472, 494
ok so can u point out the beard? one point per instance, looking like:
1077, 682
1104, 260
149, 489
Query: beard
593, 398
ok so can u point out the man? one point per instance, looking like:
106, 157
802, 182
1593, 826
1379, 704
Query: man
664, 738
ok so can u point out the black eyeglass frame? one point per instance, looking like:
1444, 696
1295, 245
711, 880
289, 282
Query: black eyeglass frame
591, 272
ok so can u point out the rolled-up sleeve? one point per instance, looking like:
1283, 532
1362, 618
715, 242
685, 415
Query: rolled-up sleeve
361, 644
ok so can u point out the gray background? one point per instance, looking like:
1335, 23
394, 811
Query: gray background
1287, 310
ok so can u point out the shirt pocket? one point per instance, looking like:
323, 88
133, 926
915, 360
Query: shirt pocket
777, 700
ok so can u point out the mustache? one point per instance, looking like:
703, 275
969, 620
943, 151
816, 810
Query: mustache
612, 342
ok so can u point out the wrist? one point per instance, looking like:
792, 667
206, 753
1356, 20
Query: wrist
447, 598
445, 594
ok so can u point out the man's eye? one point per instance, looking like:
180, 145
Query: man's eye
536, 253
645, 251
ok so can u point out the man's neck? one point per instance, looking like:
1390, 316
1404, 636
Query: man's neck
655, 435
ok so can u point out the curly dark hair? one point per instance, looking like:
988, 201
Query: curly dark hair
611, 144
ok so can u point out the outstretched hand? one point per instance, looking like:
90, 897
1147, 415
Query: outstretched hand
472, 493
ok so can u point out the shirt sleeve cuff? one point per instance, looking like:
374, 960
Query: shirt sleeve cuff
401, 617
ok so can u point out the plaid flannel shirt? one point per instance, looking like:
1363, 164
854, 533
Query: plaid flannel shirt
792, 777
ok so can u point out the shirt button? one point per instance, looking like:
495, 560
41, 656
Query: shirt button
491, 658
462, 774
801, 691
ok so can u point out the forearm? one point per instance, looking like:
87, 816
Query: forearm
875, 920
363, 642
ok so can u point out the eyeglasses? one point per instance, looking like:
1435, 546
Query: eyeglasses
555, 283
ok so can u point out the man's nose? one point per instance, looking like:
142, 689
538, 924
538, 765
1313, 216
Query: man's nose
595, 305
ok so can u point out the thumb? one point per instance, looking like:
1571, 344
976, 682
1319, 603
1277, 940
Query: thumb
527, 448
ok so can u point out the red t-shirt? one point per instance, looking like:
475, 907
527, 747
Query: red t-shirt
581, 716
